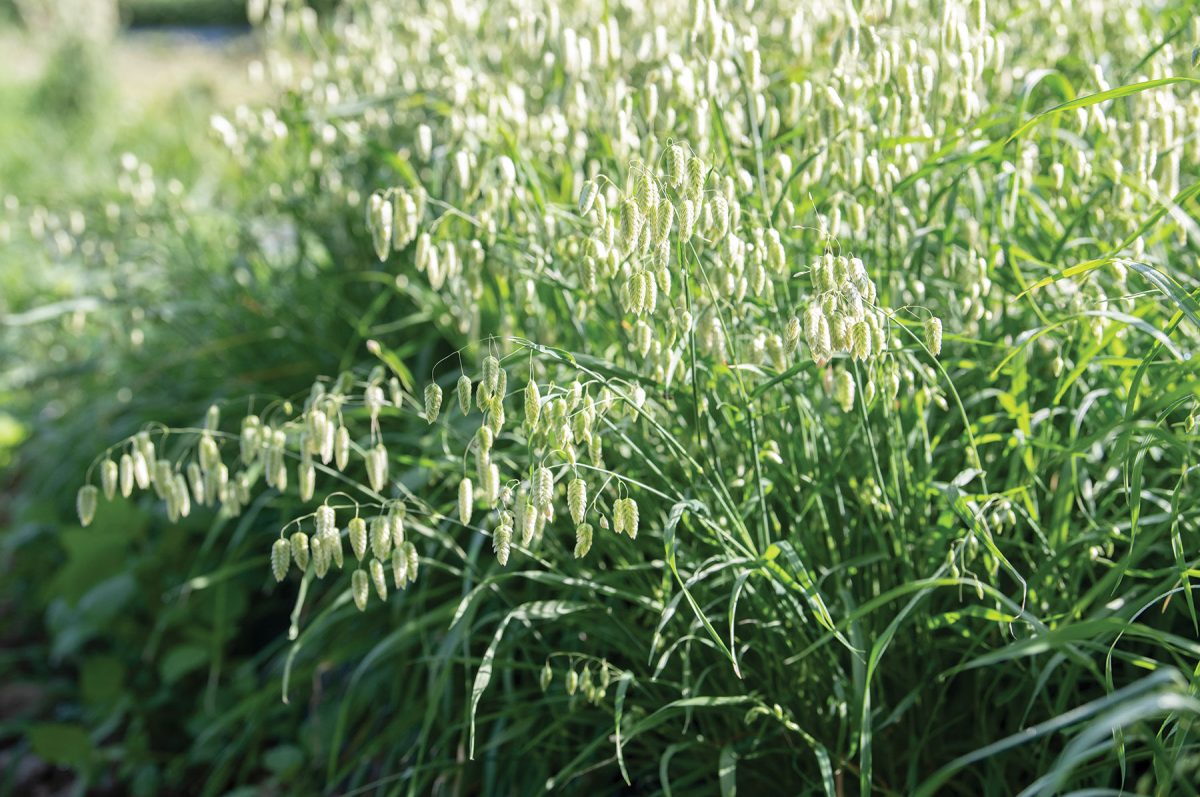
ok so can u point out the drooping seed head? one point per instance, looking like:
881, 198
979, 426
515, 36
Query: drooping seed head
300, 550
433, 401
281, 557
466, 500
583, 540
360, 586
378, 579
85, 503
464, 394
356, 530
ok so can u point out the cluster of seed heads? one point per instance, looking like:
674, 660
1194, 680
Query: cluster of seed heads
593, 687
688, 198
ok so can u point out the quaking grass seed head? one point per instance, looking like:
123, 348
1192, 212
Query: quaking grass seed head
378, 579
85, 503
281, 557
356, 530
464, 394
300, 552
360, 587
109, 475
433, 402
381, 537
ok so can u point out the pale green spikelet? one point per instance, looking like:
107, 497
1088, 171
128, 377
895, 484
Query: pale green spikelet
381, 537
281, 558
933, 335
320, 554
414, 561
843, 389
491, 375
360, 586
526, 520
141, 470
502, 542
377, 467
543, 487
109, 475
572, 681
300, 550
396, 524
577, 499
400, 570
126, 475
195, 478
85, 503
326, 519
583, 540
464, 394
356, 530
631, 518
378, 579
333, 546
545, 677
466, 500
433, 402
341, 447
306, 477
533, 404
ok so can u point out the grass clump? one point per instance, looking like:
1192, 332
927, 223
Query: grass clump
851, 418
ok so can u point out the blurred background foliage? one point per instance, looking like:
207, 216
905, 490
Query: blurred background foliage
116, 674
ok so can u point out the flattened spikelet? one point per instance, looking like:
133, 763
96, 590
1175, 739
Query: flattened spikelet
466, 500
464, 394
356, 530
378, 579
577, 499
433, 401
502, 543
381, 538
360, 587
583, 540
300, 550
109, 475
85, 503
126, 475
281, 557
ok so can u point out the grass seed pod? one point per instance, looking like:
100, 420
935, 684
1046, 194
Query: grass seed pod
109, 475
400, 571
341, 447
577, 499
433, 401
126, 475
378, 579
543, 487
281, 557
85, 503
326, 519
583, 540
356, 530
533, 404
464, 394
141, 469
381, 537
502, 543
360, 587
933, 335
300, 550
320, 556
333, 546
466, 500
414, 560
